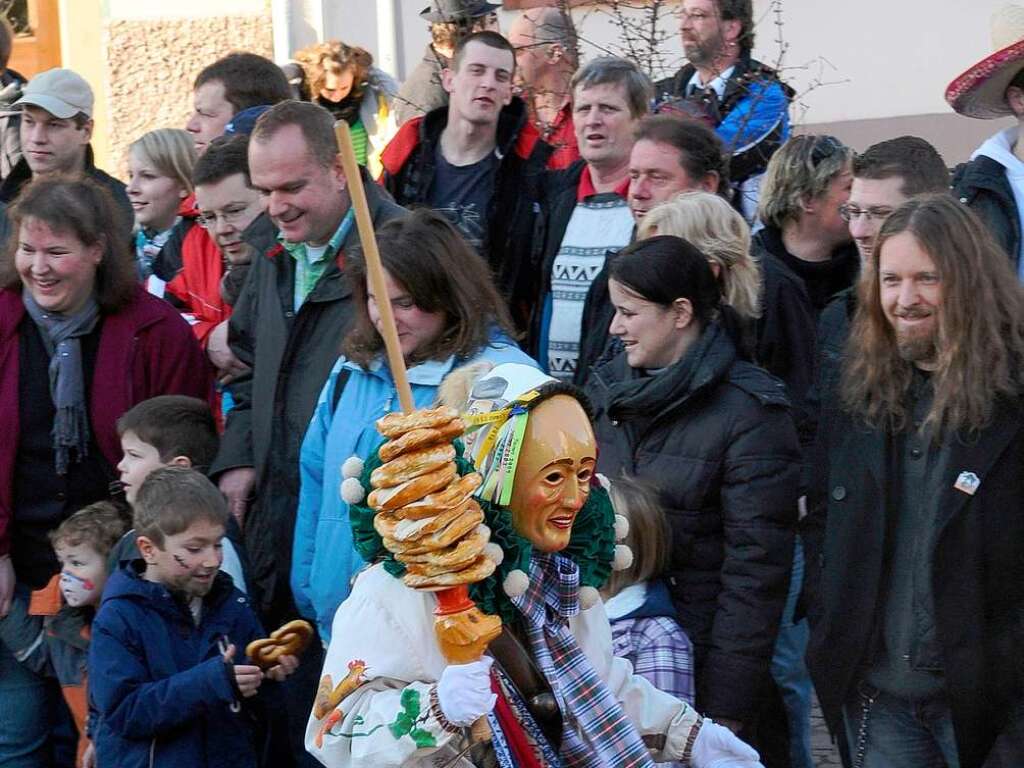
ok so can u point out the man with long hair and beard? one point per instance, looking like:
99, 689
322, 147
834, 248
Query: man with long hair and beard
914, 541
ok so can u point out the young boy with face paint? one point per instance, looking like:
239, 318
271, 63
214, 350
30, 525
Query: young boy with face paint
50, 632
168, 674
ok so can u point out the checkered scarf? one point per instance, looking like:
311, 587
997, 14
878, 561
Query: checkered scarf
596, 732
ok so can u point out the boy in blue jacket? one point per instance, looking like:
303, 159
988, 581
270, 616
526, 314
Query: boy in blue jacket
163, 679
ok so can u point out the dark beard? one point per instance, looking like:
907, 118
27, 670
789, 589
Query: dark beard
704, 53
917, 349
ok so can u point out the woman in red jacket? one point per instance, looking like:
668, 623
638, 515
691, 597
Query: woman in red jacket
80, 343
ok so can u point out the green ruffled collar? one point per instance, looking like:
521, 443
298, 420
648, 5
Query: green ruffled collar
591, 545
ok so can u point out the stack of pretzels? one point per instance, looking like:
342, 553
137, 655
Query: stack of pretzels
426, 514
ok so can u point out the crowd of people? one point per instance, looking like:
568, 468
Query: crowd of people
802, 364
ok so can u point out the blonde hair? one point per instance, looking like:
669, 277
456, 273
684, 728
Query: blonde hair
171, 151
648, 538
800, 170
718, 231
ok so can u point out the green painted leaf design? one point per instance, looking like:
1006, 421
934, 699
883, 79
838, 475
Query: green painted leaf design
422, 738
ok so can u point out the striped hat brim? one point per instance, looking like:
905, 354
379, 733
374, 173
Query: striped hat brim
981, 90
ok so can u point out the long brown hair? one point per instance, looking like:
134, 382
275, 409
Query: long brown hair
441, 273
82, 208
980, 330
316, 59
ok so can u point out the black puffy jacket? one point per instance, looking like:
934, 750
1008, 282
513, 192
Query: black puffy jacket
717, 442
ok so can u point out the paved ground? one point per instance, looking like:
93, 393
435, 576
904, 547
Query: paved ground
822, 750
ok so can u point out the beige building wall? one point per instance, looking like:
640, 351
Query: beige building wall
862, 70
874, 69
141, 57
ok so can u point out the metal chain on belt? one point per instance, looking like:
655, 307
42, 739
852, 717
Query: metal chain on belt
862, 731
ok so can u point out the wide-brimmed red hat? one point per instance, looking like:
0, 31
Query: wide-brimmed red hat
981, 90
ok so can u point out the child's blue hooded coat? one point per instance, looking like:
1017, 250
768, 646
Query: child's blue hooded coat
161, 691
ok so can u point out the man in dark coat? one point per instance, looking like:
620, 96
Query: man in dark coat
450, 21
479, 161
992, 182
55, 129
914, 534
287, 327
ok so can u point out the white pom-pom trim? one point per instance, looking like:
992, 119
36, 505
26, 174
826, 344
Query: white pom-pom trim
484, 530
353, 467
494, 553
352, 491
621, 528
589, 597
623, 557
516, 583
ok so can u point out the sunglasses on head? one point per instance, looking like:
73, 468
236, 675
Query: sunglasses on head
824, 147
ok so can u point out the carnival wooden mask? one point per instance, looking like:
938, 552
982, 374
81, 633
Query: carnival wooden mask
552, 477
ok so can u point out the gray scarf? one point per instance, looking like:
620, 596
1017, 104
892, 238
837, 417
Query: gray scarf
61, 334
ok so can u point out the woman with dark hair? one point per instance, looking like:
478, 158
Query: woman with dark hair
448, 314
81, 342
678, 409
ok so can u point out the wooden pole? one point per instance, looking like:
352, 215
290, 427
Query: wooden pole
374, 269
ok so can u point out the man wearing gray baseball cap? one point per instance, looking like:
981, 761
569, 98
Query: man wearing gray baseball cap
56, 126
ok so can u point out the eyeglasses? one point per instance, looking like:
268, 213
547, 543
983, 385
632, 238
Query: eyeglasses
695, 16
824, 147
230, 216
851, 213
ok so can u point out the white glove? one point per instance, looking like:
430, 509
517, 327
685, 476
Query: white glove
718, 747
464, 691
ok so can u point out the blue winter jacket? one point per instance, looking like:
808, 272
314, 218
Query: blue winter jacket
161, 692
323, 557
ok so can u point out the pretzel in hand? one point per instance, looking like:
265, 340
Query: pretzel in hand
290, 640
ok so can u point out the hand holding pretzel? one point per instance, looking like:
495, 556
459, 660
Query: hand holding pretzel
289, 640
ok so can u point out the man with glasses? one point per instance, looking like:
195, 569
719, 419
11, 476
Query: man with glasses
228, 204
741, 98
885, 176
545, 43
227, 96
